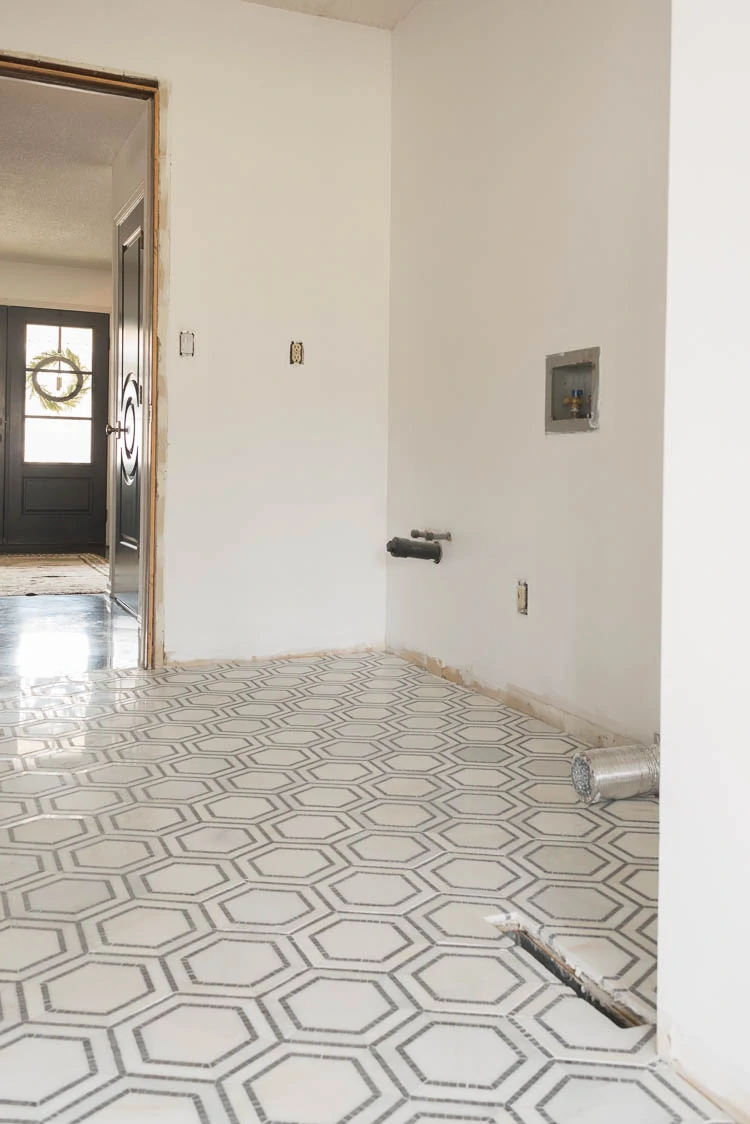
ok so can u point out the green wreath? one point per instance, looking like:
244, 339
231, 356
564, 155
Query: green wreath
66, 397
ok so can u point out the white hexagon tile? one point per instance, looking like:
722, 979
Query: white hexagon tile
262, 892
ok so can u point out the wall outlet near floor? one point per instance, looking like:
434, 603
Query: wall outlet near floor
522, 598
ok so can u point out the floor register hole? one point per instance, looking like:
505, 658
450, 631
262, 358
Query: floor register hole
616, 1012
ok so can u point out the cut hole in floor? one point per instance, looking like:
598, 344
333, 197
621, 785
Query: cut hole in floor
616, 1012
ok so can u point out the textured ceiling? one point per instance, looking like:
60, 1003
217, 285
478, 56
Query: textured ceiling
376, 13
57, 147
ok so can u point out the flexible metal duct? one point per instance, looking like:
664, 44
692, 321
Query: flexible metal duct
617, 773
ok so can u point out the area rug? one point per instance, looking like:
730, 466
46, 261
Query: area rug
42, 574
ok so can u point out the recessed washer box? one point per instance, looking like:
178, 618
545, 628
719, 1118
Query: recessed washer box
572, 399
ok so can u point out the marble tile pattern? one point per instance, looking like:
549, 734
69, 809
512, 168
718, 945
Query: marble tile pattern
47, 635
259, 892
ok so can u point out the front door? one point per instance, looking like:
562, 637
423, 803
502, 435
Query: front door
55, 453
126, 425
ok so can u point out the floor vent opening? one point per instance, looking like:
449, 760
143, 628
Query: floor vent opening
616, 1012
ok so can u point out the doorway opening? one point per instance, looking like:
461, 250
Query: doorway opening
77, 369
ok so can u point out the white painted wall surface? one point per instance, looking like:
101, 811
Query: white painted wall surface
529, 217
277, 146
704, 906
130, 169
32, 285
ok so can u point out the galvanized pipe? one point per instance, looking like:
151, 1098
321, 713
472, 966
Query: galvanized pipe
414, 548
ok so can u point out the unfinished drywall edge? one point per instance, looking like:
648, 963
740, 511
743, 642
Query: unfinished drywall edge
734, 1110
160, 390
323, 653
80, 68
517, 698
665, 1049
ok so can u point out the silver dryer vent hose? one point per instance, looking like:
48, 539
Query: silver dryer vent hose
616, 773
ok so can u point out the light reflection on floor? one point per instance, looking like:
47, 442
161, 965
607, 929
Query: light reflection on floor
49, 652
65, 635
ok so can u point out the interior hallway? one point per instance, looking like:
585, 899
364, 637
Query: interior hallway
259, 892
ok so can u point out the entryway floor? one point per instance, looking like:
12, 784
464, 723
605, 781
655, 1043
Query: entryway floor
260, 892
65, 635
42, 574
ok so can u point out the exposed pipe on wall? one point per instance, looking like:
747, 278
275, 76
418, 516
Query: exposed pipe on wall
412, 548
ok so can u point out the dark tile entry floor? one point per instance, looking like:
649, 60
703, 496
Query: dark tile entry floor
65, 635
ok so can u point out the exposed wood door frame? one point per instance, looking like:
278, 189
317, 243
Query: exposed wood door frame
3, 411
54, 74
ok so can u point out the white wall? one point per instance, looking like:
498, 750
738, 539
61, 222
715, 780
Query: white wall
704, 912
32, 285
277, 135
130, 169
529, 217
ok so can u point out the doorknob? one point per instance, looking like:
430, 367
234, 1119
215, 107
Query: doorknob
114, 429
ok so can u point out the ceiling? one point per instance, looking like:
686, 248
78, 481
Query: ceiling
57, 147
376, 13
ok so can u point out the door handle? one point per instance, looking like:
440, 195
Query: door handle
118, 429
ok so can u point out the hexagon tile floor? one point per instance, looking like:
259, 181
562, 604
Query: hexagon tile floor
259, 892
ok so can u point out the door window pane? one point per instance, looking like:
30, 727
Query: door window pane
58, 398
58, 384
57, 441
41, 338
80, 342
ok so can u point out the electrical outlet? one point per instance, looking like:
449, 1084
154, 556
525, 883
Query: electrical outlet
296, 353
522, 598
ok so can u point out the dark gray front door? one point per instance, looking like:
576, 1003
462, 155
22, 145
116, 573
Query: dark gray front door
55, 455
127, 425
